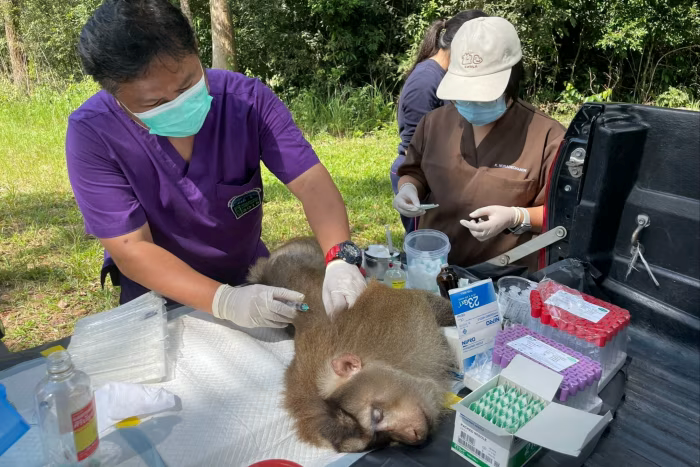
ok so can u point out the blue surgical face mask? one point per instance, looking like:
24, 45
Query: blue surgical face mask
482, 113
181, 117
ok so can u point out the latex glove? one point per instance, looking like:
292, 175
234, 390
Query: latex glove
257, 305
341, 286
500, 218
407, 202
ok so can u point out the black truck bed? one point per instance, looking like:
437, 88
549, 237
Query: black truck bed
658, 421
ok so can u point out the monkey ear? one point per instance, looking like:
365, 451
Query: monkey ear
346, 365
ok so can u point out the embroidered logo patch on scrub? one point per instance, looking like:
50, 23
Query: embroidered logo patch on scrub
242, 204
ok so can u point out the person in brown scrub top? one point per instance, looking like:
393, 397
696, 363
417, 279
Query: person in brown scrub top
484, 157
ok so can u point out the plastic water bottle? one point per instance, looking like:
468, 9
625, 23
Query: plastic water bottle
395, 277
65, 405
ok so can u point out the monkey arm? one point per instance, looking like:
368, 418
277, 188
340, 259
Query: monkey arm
323, 206
311, 413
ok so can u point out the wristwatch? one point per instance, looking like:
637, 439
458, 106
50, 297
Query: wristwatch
347, 251
525, 225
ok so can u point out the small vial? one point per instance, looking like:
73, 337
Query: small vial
395, 277
447, 280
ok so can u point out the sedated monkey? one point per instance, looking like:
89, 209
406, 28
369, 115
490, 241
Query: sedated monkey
375, 374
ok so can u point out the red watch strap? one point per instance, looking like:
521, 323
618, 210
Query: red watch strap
332, 254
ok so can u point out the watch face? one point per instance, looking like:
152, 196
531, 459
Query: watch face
350, 253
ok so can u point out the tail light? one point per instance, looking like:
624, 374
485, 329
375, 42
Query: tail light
545, 206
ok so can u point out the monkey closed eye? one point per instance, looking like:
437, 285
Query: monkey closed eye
377, 417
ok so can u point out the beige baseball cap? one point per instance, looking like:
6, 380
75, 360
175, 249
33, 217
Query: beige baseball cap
482, 54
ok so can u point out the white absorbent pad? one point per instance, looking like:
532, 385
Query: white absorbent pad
118, 401
229, 383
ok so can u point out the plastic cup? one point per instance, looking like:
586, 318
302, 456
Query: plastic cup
425, 245
515, 307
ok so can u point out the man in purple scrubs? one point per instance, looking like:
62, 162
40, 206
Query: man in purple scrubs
165, 166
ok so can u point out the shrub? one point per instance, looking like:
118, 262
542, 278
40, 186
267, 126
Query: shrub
346, 111
674, 97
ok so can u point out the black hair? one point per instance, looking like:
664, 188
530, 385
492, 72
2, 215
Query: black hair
435, 39
123, 37
516, 76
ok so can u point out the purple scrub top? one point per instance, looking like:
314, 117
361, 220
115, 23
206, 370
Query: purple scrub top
209, 212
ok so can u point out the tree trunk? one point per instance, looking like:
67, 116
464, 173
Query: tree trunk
222, 45
14, 44
185, 7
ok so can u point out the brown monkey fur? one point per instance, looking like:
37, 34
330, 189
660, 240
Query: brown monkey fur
375, 374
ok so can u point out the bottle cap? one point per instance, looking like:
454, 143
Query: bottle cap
58, 362
535, 304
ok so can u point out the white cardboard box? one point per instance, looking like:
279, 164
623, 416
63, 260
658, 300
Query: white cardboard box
476, 314
557, 427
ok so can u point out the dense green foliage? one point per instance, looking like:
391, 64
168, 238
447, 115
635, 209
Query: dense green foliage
632, 50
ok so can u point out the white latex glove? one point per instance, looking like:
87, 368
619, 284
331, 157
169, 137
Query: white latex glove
500, 218
341, 286
257, 305
407, 202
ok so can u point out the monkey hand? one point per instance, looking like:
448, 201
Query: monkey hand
341, 286
499, 219
257, 305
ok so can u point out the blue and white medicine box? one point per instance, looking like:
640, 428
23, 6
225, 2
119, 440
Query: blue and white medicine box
476, 313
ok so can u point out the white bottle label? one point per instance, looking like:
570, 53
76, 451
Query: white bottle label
577, 306
543, 353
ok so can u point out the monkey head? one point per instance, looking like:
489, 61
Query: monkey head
373, 404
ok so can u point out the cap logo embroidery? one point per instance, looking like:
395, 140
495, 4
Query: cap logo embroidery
470, 60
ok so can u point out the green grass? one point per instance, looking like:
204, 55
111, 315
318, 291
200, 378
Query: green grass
49, 268
360, 168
